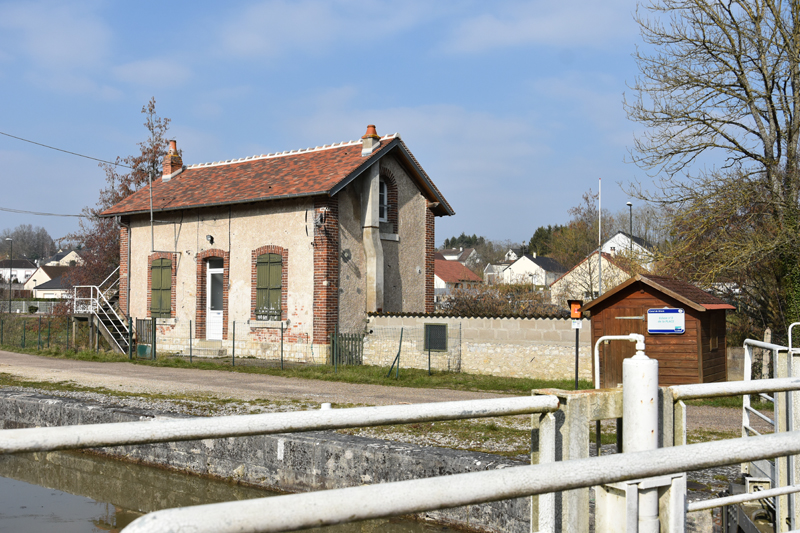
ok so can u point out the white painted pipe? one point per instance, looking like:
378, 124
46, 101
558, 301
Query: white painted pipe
330, 507
741, 498
325, 405
633, 337
167, 430
640, 416
733, 388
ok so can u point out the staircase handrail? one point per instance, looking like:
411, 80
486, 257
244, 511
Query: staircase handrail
98, 305
109, 277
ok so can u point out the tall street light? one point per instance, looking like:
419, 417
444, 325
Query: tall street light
630, 236
10, 264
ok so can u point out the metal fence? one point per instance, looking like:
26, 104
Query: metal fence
29, 307
20, 331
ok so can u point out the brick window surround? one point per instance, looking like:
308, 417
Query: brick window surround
269, 249
391, 197
202, 270
150, 259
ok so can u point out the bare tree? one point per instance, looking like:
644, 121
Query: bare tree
100, 236
29, 242
720, 83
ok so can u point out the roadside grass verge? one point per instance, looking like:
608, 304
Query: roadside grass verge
371, 375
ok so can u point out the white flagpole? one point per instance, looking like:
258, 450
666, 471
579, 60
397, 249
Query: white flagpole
600, 236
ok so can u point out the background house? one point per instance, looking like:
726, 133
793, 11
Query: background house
44, 274
635, 248
68, 258
466, 256
451, 275
533, 270
18, 270
581, 282
303, 241
57, 287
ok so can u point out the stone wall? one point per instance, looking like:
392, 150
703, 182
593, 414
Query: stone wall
287, 462
541, 348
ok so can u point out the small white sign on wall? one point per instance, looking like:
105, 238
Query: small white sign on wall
666, 321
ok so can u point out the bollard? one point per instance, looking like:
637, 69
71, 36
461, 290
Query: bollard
640, 414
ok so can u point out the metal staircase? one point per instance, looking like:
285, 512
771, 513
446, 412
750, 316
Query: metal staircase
99, 303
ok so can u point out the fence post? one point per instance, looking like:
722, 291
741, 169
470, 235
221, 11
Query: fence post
281, 345
68, 335
233, 346
190, 342
428, 342
153, 334
39, 339
48, 333
130, 338
2, 327
23, 332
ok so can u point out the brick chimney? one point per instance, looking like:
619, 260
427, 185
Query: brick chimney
370, 141
172, 161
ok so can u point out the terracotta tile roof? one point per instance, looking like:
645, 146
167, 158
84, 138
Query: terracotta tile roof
682, 291
312, 171
689, 292
454, 272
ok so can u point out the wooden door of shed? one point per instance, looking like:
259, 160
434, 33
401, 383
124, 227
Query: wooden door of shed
619, 321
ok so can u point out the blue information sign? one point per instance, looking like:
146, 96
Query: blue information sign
666, 320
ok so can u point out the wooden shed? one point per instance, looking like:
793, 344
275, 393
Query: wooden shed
697, 354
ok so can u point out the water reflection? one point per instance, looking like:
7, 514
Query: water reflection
76, 493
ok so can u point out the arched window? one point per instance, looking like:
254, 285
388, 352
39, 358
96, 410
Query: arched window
161, 288
383, 202
269, 278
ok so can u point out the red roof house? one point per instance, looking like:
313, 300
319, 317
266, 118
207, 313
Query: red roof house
306, 240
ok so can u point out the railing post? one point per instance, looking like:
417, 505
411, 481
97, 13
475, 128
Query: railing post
281, 345
233, 346
640, 413
190, 342
153, 325
48, 332
39, 339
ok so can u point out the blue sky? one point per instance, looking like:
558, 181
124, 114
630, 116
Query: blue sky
513, 108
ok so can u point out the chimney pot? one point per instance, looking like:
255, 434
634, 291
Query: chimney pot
370, 142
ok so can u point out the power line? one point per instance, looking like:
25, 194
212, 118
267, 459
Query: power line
66, 152
9, 210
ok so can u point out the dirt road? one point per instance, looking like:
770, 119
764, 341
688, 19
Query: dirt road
222, 384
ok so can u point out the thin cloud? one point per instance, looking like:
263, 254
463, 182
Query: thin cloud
153, 73
276, 27
559, 24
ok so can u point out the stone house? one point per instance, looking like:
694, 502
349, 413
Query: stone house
303, 241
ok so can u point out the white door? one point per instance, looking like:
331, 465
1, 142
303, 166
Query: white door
214, 292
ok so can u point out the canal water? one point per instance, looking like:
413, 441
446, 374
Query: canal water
71, 492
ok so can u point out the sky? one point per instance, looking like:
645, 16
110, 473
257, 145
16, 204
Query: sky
514, 108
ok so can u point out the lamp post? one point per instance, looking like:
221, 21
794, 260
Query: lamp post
630, 236
10, 264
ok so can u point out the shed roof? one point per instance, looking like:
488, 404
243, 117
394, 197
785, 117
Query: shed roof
324, 170
684, 292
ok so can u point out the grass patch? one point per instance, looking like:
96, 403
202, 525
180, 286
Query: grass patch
703, 435
372, 375
732, 401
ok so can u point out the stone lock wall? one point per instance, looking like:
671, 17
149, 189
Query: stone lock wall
540, 348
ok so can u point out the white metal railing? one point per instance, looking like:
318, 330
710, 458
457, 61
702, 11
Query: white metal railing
680, 393
168, 430
98, 305
330, 507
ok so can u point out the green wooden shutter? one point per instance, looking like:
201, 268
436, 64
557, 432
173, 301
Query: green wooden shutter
161, 288
269, 271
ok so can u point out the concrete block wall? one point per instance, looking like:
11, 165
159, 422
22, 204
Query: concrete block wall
541, 348
287, 462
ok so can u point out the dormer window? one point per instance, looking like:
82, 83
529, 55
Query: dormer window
383, 202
